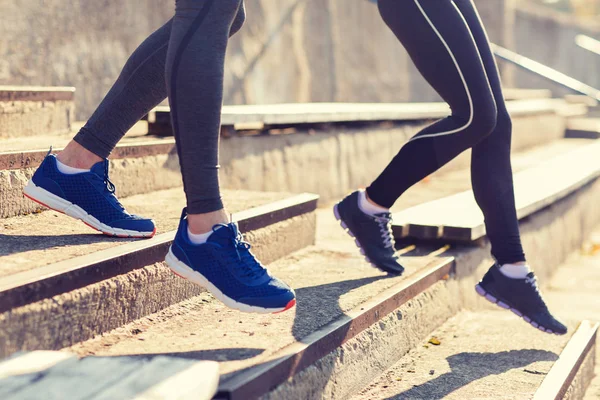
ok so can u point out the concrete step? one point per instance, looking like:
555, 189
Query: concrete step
458, 218
348, 156
65, 278
490, 355
351, 322
30, 111
27, 376
526, 94
573, 292
352, 156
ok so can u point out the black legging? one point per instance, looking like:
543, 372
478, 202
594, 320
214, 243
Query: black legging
448, 44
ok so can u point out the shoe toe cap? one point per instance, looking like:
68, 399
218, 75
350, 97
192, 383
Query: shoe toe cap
282, 299
137, 224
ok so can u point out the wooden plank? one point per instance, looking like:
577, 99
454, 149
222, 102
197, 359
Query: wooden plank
319, 113
29, 363
104, 378
458, 218
565, 369
583, 128
526, 94
199, 382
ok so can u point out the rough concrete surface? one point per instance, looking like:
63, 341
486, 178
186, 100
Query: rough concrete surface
583, 378
111, 303
572, 218
353, 365
328, 378
344, 159
204, 328
57, 237
482, 355
573, 293
30, 118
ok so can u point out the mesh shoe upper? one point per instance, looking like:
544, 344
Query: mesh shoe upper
523, 295
92, 191
374, 233
227, 262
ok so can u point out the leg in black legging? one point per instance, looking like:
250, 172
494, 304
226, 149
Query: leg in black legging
491, 171
442, 47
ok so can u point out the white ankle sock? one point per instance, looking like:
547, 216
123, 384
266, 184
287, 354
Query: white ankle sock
515, 271
198, 238
367, 207
65, 169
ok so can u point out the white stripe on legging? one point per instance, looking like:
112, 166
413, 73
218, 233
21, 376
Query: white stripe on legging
462, 77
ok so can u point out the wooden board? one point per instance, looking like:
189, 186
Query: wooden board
458, 218
583, 128
319, 113
563, 373
59, 375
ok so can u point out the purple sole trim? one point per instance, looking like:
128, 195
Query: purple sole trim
481, 291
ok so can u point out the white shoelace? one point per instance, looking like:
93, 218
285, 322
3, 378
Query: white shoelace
385, 227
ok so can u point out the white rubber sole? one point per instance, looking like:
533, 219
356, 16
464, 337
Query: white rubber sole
56, 203
181, 269
482, 292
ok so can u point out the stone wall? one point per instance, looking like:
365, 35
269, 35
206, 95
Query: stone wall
289, 50
548, 37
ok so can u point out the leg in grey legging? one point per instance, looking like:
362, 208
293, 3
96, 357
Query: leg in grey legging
195, 72
140, 87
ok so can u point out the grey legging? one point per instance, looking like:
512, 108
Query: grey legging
184, 59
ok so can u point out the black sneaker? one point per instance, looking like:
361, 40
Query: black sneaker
521, 296
373, 234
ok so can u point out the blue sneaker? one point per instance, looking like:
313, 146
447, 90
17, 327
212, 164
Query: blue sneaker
522, 297
373, 234
88, 196
227, 268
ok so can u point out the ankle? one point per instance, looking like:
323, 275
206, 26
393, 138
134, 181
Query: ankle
203, 223
368, 206
77, 156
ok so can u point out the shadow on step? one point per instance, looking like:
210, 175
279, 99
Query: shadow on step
469, 367
319, 305
13, 244
229, 354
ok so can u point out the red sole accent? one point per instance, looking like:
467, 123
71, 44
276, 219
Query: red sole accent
289, 305
39, 202
178, 274
96, 229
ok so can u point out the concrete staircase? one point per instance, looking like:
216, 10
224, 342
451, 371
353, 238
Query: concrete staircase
354, 330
